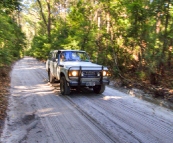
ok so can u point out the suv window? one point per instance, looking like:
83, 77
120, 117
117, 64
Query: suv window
74, 56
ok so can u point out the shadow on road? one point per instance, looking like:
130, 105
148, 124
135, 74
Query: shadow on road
79, 91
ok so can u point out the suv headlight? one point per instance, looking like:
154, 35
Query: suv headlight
73, 73
105, 73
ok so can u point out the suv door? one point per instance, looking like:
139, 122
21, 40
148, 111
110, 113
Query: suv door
57, 67
55, 63
52, 63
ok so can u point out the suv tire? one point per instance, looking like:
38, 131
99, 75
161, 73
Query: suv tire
99, 89
64, 88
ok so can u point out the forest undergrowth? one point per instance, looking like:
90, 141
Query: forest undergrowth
162, 90
4, 92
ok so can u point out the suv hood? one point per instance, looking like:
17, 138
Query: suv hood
82, 64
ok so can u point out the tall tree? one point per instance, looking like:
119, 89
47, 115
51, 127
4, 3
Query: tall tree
47, 21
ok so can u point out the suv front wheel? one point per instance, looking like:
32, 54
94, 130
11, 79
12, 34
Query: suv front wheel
99, 89
65, 89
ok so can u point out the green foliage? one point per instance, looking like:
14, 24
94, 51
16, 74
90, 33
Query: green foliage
141, 75
132, 34
40, 47
9, 6
11, 38
115, 72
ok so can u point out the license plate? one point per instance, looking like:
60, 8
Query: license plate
90, 84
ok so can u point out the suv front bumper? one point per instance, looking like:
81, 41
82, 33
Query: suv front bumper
88, 80
88, 83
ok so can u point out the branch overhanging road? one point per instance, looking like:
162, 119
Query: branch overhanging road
37, 112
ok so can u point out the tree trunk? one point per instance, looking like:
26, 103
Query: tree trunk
49, 21
154, 78
170, 54
42, 14
165, 42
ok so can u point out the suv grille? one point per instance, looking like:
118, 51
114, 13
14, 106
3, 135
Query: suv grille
90, 73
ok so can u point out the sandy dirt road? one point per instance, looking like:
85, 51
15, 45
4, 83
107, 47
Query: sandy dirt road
38, 113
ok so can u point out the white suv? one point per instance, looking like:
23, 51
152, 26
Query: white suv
74, 69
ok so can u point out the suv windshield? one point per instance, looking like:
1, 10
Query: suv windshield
74, 56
